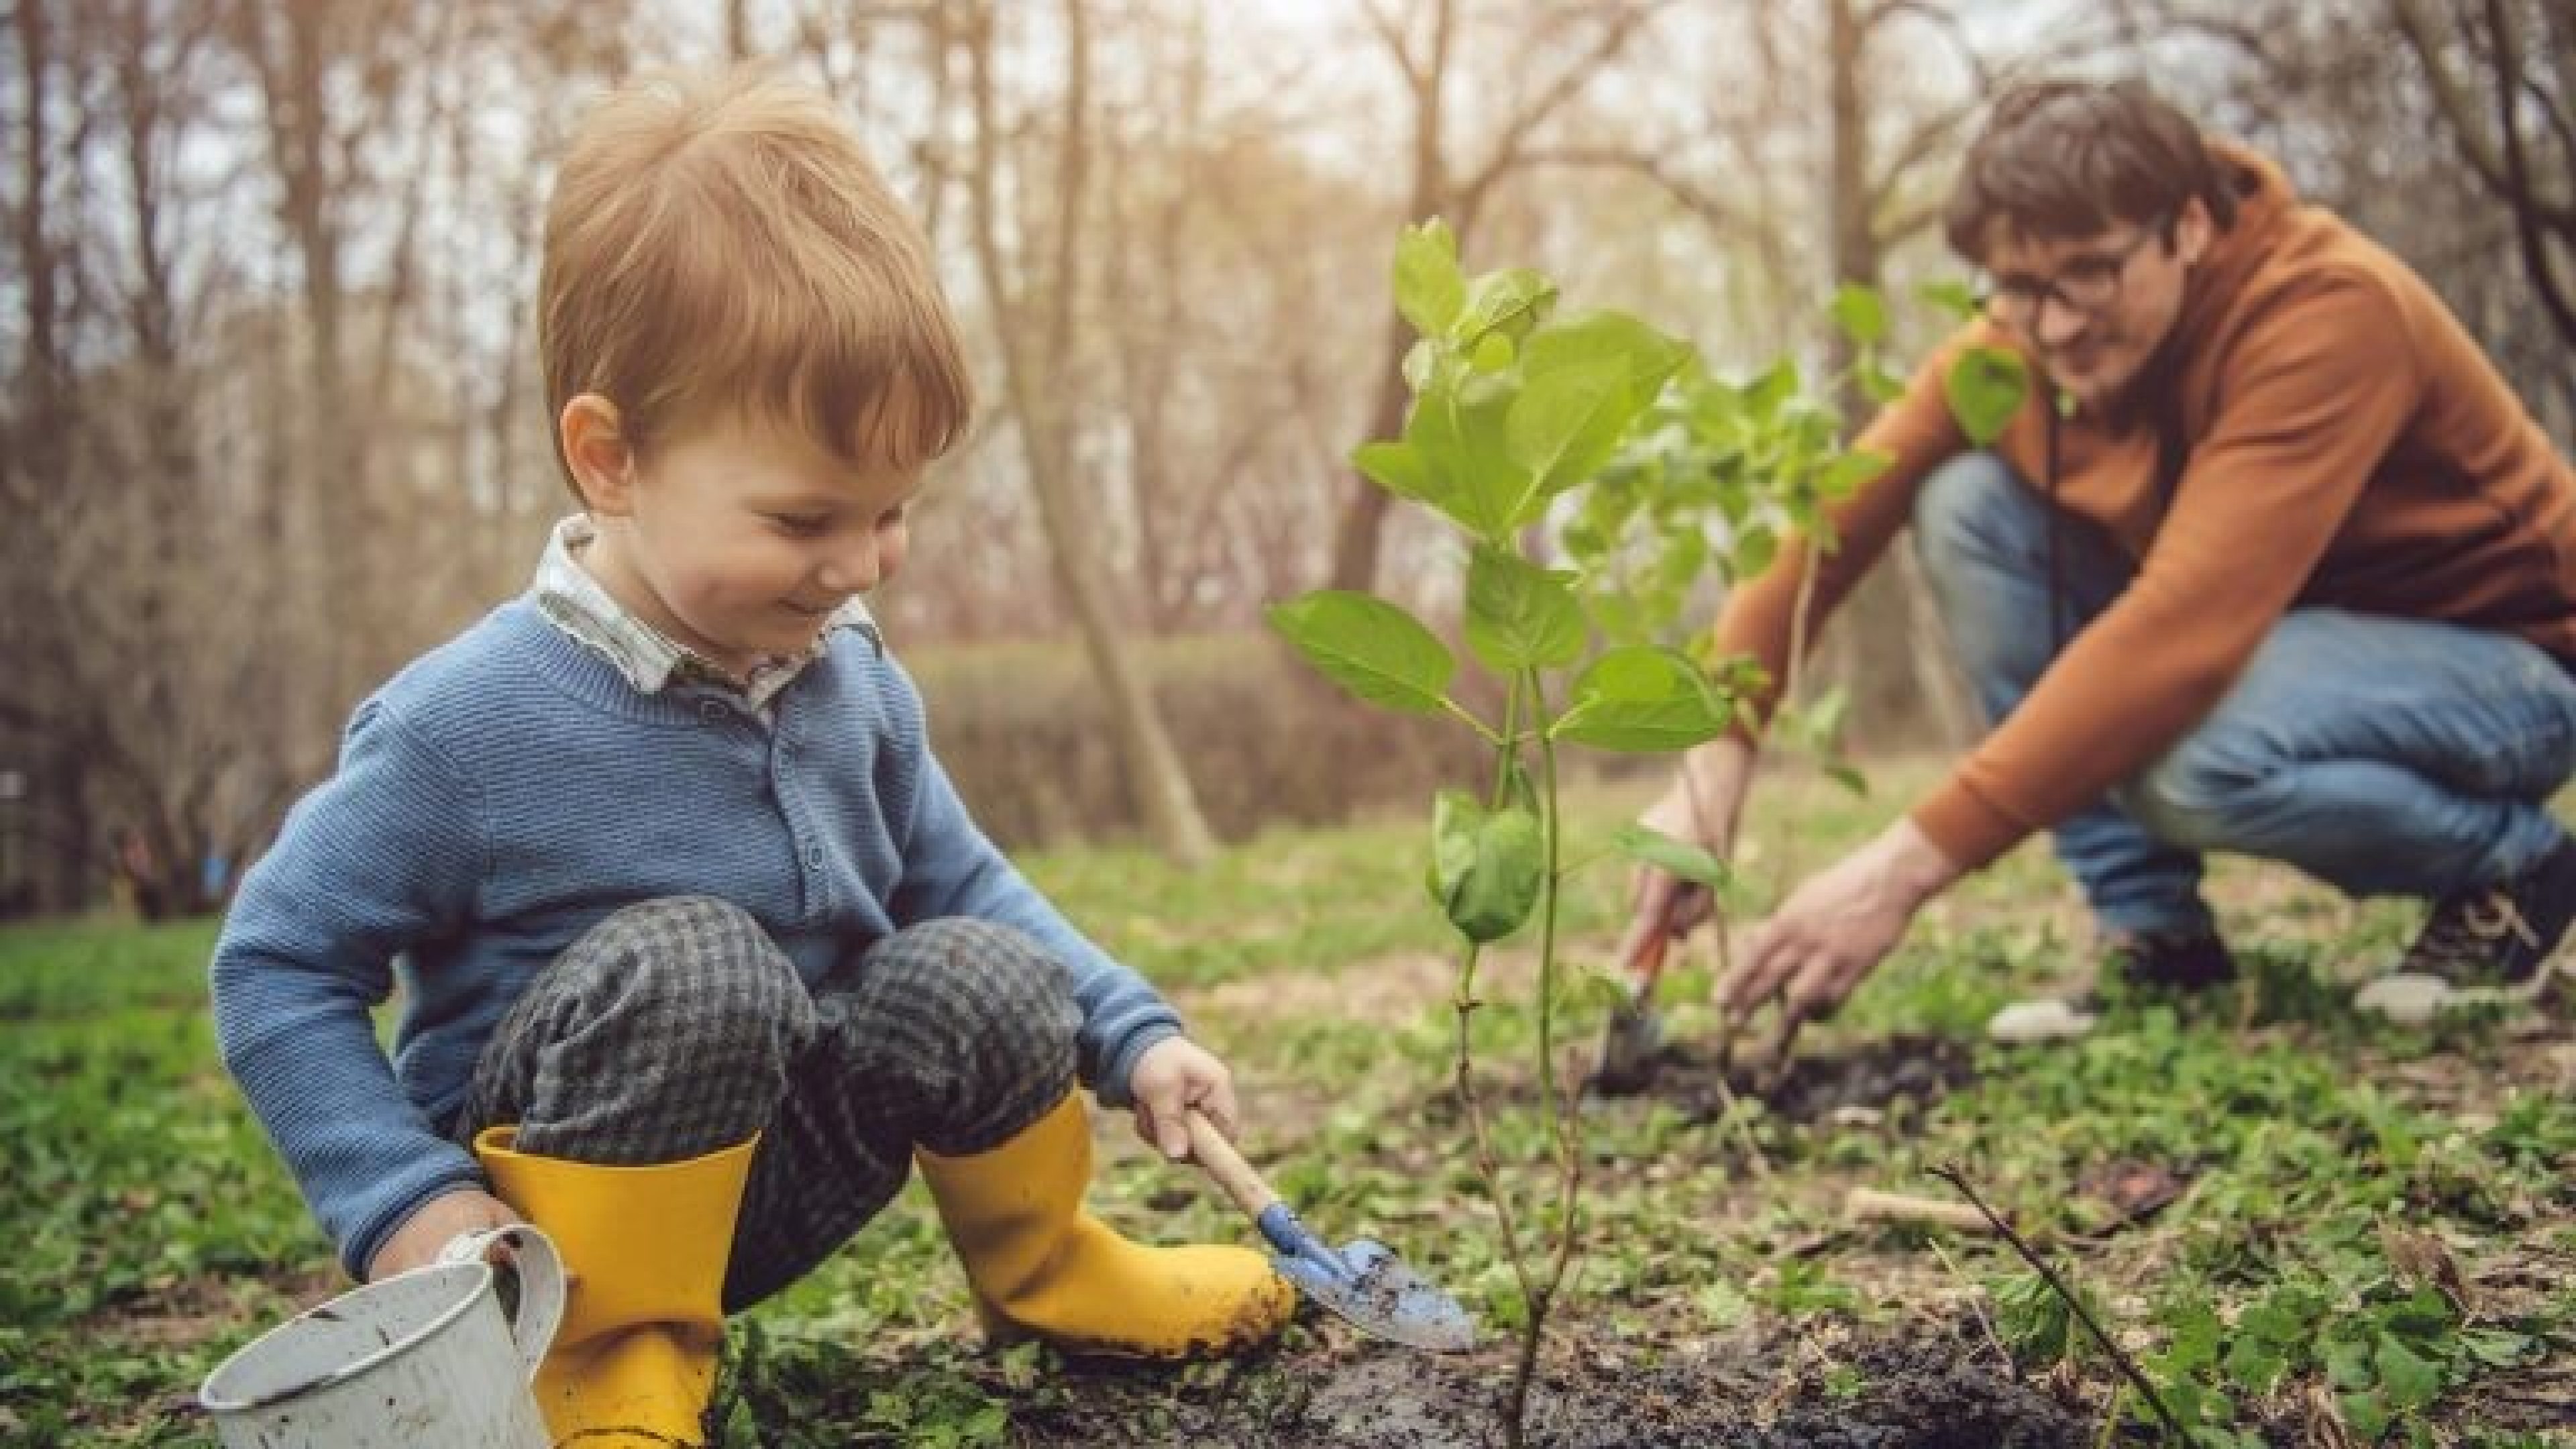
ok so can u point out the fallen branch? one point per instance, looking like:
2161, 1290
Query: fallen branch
2120, 1358
1868, 1204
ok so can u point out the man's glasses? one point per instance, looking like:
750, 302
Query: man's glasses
2084, 286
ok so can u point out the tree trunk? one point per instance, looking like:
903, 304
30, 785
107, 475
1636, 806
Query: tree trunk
1878, 653
1037, 369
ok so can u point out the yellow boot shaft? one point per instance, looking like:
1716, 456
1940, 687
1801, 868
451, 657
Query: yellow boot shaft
1040, 1264
646, 1247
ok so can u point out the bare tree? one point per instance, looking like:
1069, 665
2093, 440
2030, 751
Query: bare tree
1031, 300
47, 814
1558, 50
2320, 86
2503, 79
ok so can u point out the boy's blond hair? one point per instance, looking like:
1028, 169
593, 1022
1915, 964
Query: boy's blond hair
720, 245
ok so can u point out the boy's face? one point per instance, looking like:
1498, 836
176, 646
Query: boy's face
738, 539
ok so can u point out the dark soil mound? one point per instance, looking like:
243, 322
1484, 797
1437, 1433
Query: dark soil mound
1886, 1394
1891, 1074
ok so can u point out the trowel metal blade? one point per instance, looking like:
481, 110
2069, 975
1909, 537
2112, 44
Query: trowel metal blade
1392, 1301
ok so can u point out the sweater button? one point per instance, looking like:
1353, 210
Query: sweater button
814, 856
711, 710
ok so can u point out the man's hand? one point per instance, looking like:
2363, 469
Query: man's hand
1699, 808
1835, 928
1173, 1076
433, 1225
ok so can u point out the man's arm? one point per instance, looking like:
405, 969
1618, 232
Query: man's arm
2314, 395
1706, 797
2315, 398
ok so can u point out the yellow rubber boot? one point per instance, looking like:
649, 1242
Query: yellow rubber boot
646, 1248
1041, 1265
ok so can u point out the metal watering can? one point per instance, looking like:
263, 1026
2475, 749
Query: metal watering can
424, 1360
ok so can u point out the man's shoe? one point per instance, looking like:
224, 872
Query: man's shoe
2497, 943
2159, 961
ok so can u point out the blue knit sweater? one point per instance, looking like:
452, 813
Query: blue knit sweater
507, 791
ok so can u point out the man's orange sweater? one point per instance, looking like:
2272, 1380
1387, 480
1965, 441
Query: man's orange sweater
2349, 447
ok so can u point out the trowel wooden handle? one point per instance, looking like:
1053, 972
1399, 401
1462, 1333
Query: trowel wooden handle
1227, 1166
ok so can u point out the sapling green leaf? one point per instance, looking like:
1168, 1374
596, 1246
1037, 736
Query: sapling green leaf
1950, 295
1512, 301
1640, 698
1764, 396
1754, 550
1428, 288
1860, 314
1844, 476
1370, 647
1487, 867
1588, 381
1394, 465
1563, 424
1519, 615
1877, 383
1458, 429
1986, 387
1673, 857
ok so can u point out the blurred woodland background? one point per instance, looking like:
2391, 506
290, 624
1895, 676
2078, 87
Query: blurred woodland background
272, 421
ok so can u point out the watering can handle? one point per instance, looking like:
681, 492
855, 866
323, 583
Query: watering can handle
1227, 1167
542, 1283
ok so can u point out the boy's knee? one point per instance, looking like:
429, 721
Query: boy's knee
691, 969
978, 973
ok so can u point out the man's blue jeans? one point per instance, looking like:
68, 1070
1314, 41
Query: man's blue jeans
2383, 756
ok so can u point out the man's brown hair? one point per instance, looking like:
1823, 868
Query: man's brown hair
720, 245
2061, 160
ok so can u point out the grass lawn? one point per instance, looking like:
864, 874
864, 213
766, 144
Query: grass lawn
2307, 1228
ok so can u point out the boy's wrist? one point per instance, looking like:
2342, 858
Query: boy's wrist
1116, 1087
359, 1250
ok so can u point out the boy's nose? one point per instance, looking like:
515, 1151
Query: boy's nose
852, 568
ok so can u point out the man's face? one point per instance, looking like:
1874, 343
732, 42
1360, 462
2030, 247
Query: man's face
2093, 309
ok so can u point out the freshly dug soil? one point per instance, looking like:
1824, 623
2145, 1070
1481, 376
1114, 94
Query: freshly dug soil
1893, 1077
1890, 1074
1868, 1079
1889, 1393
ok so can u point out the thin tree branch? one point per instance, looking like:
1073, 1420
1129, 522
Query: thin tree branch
1568, 82
2120, 1358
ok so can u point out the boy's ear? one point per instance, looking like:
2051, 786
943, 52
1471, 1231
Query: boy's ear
594, 447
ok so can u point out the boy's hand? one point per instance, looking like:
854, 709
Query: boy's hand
439, 1221
1174, 1075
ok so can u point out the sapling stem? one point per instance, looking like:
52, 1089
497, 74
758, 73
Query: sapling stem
2120, 1358
1489, 1167
1560, 1111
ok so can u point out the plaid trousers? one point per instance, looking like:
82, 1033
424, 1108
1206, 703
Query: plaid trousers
676, 1027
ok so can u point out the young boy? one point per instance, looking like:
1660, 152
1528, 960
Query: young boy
699, 948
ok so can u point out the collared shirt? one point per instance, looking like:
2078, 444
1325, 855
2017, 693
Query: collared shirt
577, 603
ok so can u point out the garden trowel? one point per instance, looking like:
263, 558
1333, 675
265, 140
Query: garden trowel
1633, 1043
1362, 1280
